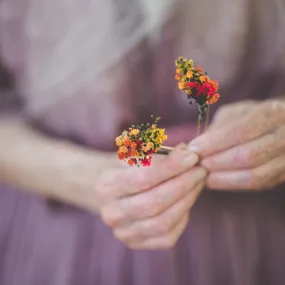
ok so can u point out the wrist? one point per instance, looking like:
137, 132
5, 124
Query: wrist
73, 174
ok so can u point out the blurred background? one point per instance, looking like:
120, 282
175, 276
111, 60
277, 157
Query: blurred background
73, 75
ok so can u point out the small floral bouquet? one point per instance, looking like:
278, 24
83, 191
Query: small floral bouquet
137, 144
199, 88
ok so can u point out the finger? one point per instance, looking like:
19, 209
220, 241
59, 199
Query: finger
152, 203
123, 182
263, 177
181, 146
161, 224
230, 112
163, 242
248, 155
264, 119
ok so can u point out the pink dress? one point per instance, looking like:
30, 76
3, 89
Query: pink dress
232, 238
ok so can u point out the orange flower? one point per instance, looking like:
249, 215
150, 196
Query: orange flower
133, 145
133, 152
127, 141
178, 77
181, 85
179, 70
121, 156
203, 78
123, 149
199, 69
142, 142
132, 161
215, 84
213, 99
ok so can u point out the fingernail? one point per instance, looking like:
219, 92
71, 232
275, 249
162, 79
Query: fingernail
201, 173
190, 159
193, 147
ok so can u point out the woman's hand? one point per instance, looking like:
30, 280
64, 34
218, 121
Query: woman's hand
148, 208
244, 149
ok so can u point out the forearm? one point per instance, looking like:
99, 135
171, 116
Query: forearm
39, 164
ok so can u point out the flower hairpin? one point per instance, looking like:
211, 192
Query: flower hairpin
200, 89
137, 144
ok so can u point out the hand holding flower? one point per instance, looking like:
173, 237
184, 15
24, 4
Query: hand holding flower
247, 152
148, 208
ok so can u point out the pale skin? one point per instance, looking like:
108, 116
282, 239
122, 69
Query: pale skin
245, 147
148, 208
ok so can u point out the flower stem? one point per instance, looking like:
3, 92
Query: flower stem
168, 147
198, 126
207, 117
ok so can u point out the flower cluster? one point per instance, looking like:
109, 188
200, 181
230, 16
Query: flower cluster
137, 144
196, 84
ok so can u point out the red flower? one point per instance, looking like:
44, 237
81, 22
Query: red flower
146, 161
139, 143
192, 84
121, 156
151, 152
208, 89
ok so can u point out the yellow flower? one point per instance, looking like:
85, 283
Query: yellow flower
160, 136
145, 147
189, 74
150, 145
181, 85
191, 62
179, 70
134, 132
119, 141
153, 126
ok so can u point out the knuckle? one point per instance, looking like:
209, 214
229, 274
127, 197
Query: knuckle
148, 207
256, 180
110, 216
120, 236
102, 191
167, 242
142, 181
274, 105
279, 134
124, 236
244, 157
103, 186
159, 227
